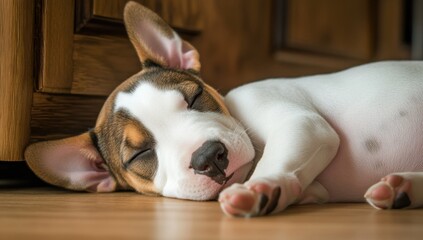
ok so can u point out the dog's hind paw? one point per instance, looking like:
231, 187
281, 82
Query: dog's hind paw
392, 192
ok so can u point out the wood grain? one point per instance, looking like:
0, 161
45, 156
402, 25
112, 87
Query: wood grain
114, 8
331, 27
103, 57
235, 45
182, 14
390, 31
16, 82
339, 35
55, 71
47, 213
58, 116
101, 63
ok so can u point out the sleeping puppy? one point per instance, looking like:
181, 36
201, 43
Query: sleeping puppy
265, 146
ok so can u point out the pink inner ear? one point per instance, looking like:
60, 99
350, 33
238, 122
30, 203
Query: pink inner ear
170, 52
190, 60
97, 181
79, 165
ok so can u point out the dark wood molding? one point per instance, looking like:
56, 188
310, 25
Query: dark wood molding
279, 23
184, 16
417, 30
56, 116
83, 13
89, 24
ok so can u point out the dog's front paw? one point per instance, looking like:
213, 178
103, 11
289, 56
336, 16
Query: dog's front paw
392, 192
250, 199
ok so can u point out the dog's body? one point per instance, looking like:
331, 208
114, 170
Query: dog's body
312, 139
374, 113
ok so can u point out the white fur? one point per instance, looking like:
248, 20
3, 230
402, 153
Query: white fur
178, 132
374, 113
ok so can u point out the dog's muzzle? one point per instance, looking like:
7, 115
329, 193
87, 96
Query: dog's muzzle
211, 160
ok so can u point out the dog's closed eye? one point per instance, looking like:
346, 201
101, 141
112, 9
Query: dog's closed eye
143, 164
145, 153
193, 100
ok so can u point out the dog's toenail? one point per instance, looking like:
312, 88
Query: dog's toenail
401, 201
275, 199
263, 201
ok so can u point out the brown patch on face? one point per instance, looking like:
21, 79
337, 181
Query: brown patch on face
108, 130
142, 185
139, 158
130, 151
218, 98
133, 135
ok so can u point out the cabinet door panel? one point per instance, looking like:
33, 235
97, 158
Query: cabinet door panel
326, 32
334, 27
55, 37
101, 63
84, 48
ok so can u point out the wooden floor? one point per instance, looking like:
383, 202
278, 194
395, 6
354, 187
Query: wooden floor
49, 213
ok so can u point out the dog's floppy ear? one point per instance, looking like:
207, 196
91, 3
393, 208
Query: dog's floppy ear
154, 40
72, 163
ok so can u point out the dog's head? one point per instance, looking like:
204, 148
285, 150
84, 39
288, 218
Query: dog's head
162, 132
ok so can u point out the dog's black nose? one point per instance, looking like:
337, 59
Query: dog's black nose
211, 159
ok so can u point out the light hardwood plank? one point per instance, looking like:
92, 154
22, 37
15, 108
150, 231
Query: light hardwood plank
48, 213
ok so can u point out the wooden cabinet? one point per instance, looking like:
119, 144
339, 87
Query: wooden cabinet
338, 34
16, 67
84, 48
75, 52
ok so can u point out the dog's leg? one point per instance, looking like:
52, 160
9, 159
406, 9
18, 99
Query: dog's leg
296, 151
314, 193
396, 191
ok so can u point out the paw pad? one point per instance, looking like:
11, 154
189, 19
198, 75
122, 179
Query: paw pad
248, 201
392, 192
